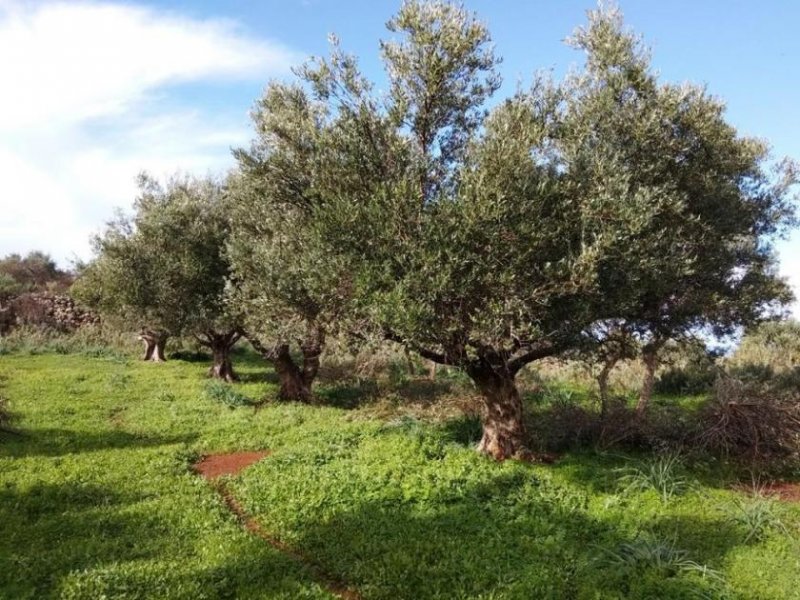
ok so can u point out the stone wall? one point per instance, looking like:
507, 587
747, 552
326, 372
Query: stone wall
44, 309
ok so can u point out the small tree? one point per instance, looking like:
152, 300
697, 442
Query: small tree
165, 267
290, 289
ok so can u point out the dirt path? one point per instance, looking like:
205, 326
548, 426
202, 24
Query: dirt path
215, 466
784, 490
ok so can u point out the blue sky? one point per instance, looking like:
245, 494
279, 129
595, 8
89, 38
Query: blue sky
99, 90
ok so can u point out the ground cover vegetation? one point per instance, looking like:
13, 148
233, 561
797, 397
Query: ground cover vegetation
378, 483
565, 254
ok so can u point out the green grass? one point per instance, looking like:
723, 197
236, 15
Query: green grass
97, 500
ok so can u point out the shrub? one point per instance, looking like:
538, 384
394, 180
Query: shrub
662, 475
755, 423
219, 391
692, 369
769, 354
757, 514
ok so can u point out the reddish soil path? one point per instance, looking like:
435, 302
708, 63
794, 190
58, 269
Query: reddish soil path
784, 490
213, 466
217, 465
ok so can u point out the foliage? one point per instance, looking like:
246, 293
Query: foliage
34, 272
691, 368
224, 393
758, 515
164, 267
487, 240
651, 553
769, 353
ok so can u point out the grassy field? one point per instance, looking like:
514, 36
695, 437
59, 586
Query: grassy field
97, 500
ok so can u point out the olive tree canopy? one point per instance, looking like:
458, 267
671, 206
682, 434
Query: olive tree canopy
487, 240
165, 269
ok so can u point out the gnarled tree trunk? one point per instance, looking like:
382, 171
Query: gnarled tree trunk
221, 345
154, 344
602, 382
650, 359
504, 433
295, 381
293, 385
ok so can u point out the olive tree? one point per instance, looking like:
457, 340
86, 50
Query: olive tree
487, 240
290, 290
165, 269
704, 260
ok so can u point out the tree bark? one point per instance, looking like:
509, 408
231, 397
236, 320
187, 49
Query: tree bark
504, 435
650, 359
311, 348
154, 344
295, 381
293, 385
602, 382
221, 346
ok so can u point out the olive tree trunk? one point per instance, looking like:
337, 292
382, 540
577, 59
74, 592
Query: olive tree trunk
504, 434
602, 383
293, 384
295, 380
221, 346
154, 344
650, 360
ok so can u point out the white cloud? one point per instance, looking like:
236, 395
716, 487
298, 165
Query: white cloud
91, 97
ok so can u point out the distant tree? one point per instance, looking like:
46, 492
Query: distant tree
34, 272
165, 269
605, 344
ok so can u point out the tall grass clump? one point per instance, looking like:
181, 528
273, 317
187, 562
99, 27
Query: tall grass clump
757, 515
663, 475
224, 393
653, 553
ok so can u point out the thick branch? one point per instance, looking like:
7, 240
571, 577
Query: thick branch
532, 353
438, 357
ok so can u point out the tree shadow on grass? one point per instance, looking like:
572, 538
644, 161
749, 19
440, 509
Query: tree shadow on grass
499, 539
57, 442
353, 394
90, 541
51, 529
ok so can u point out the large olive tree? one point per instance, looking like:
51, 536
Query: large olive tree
290, 289
165, 269
487, 241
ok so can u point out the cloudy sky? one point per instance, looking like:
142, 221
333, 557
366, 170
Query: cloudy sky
94, 92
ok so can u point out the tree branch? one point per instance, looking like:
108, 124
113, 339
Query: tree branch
438, 357
532, 353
